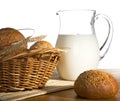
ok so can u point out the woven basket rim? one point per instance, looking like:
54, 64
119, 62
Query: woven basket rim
31, 52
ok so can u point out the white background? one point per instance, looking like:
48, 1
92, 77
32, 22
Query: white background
41, 15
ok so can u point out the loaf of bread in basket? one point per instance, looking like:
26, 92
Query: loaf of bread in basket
27, 69
41, 44
8, 37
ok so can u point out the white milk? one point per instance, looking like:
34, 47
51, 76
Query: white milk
81, 53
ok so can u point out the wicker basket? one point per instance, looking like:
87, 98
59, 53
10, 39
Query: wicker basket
28, 70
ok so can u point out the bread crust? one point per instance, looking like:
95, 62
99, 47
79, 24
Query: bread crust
9, 36
41, 44
96, 84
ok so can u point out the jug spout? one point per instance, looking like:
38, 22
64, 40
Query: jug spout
76, 21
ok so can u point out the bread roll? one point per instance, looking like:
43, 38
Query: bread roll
41, 44
8, 36
96, 84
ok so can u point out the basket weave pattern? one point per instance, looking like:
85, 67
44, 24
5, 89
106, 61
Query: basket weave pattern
29, 70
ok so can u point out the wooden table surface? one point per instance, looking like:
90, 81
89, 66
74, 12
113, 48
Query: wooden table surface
67, 95
70, 95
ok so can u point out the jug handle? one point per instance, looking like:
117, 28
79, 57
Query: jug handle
109, 37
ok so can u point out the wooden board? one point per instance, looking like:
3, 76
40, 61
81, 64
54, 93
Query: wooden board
52, 85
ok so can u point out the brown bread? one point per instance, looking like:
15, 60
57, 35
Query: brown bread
41, 44
96, 84
9, 36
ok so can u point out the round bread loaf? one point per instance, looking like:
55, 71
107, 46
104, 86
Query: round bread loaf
96, 84
8, 36
41, 44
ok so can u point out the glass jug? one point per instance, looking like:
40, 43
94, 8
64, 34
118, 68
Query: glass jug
77, 37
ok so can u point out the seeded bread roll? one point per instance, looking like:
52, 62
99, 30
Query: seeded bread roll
41, 44
8, 36
96, 84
